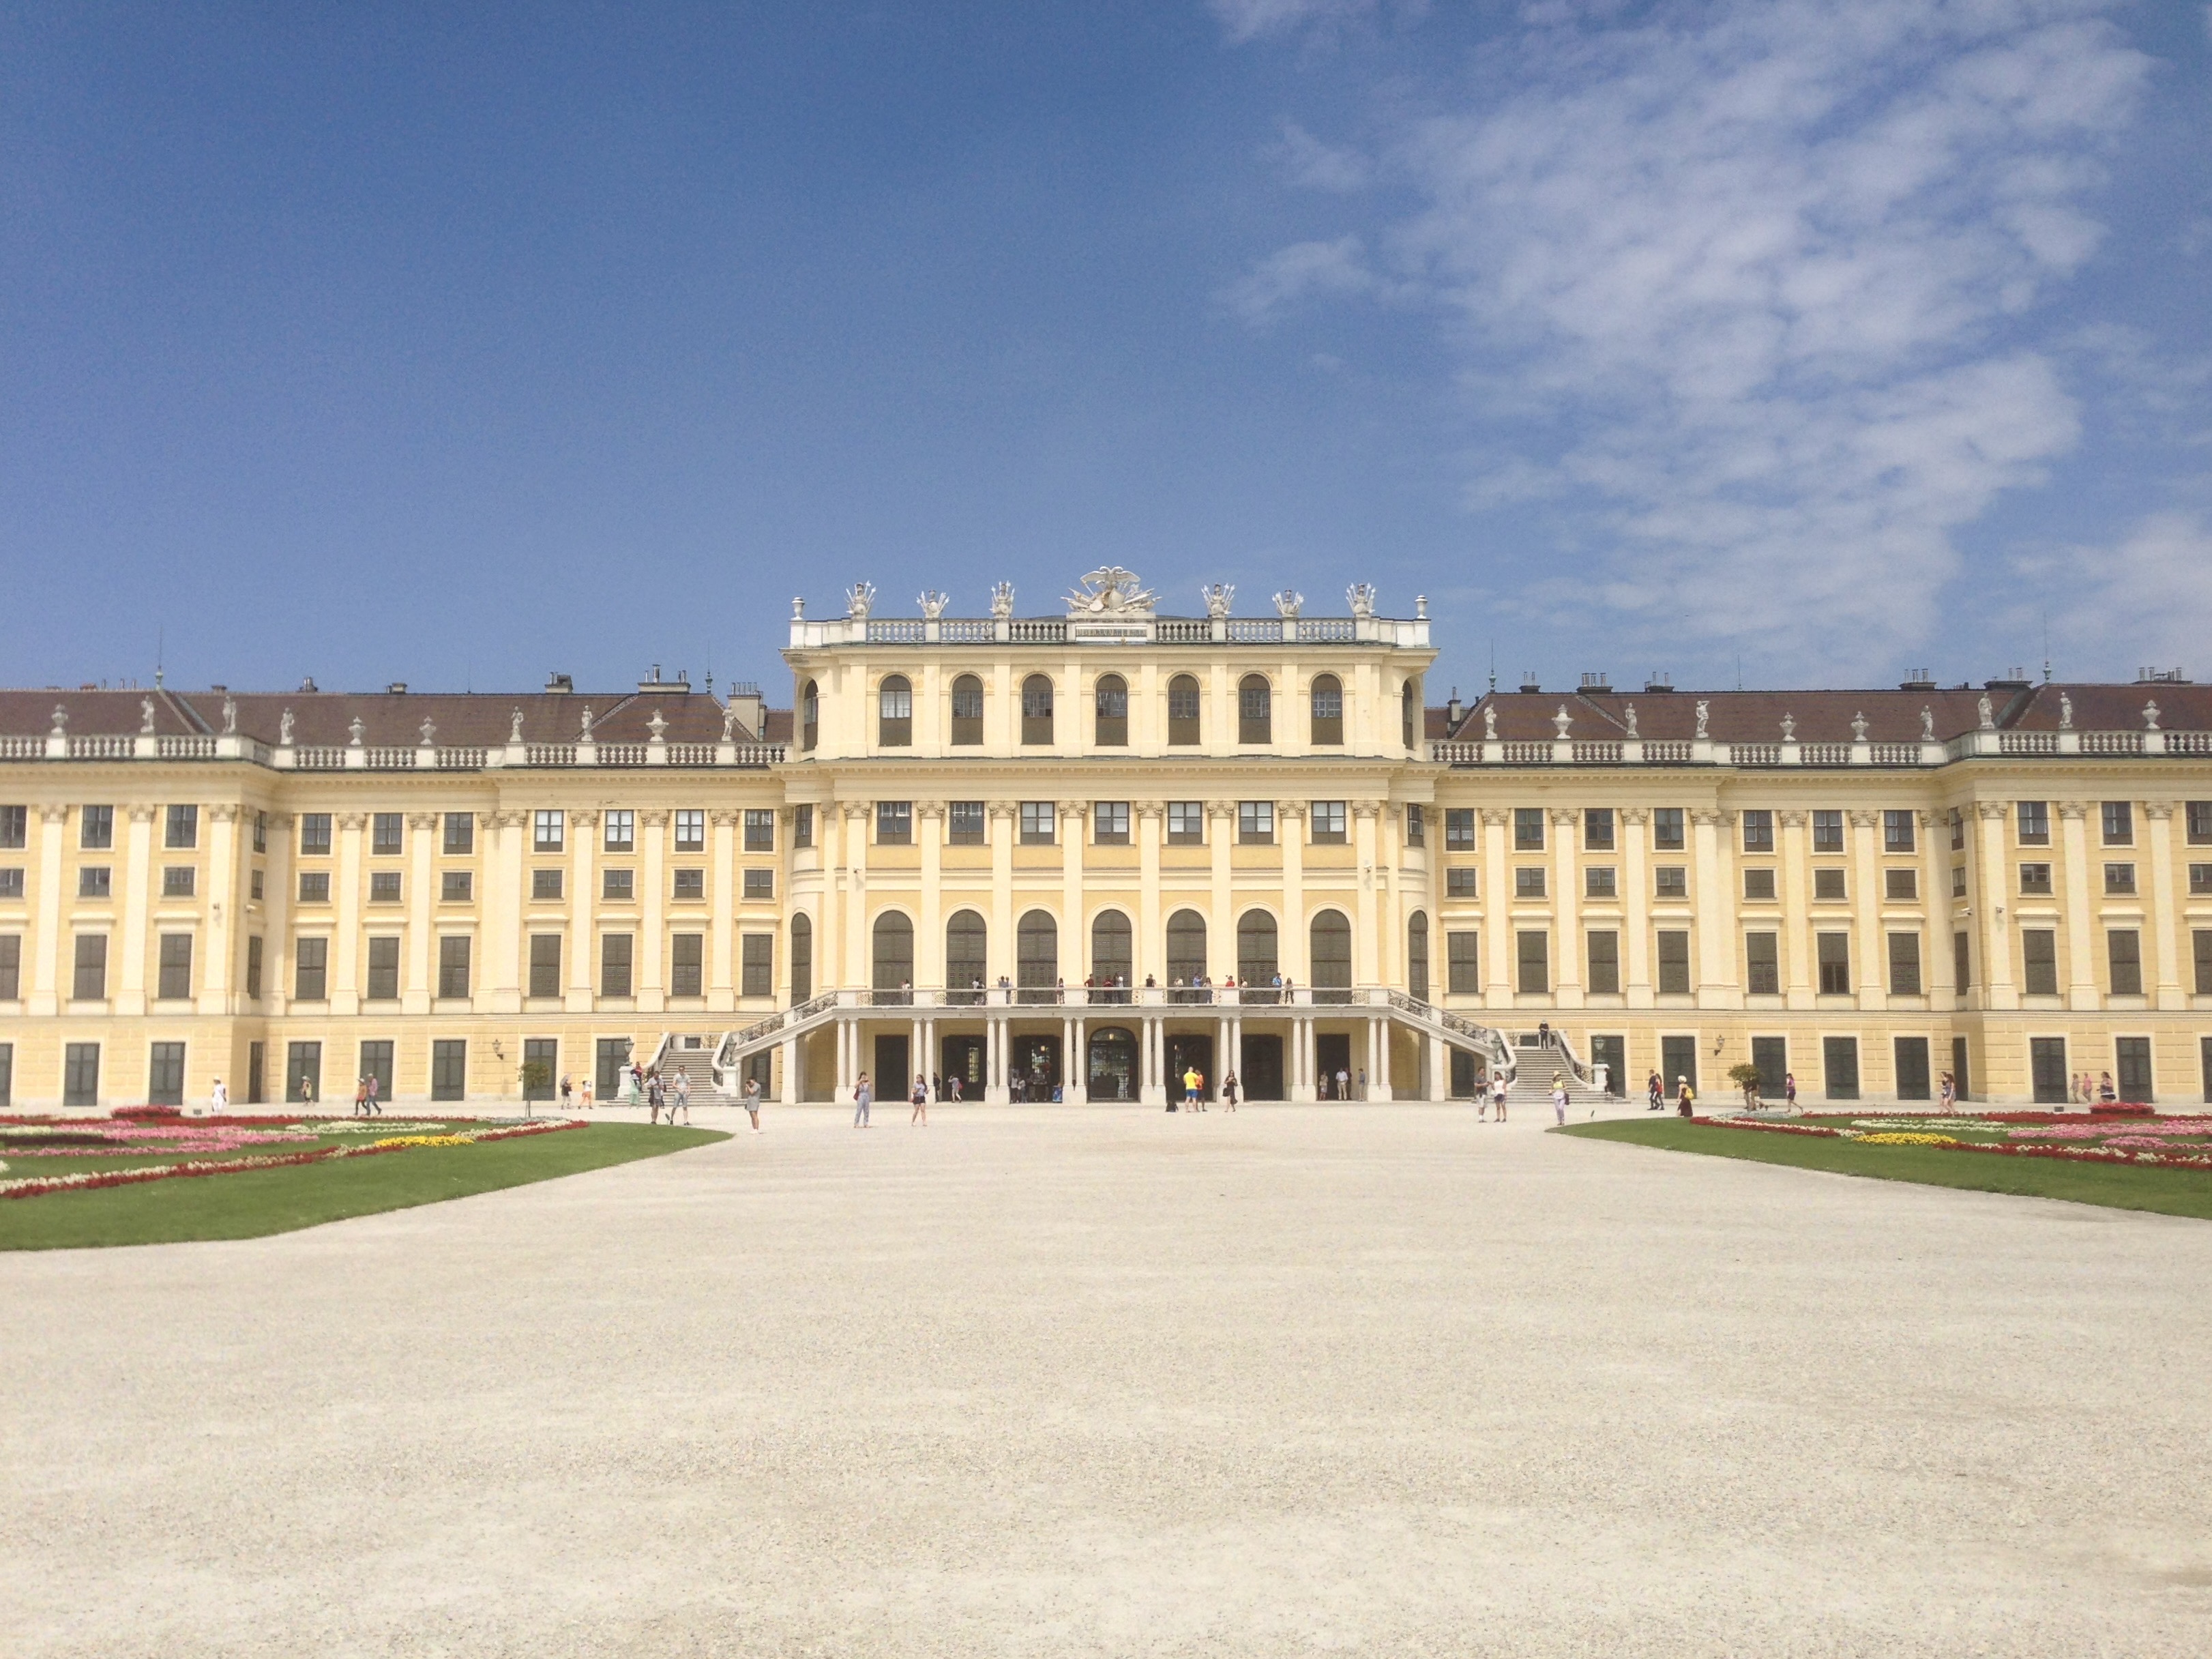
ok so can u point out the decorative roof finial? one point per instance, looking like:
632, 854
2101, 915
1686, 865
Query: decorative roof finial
1002, 600
429, 729
658, 726
1110, 589
1789, 727
1287, 604
1859, 726
932, 604
1217, 598
2150, 717
859, 599
1561, 721
61, 722
145, 715
1362, 595
356, 731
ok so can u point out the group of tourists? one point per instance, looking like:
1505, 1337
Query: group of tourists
364, 1098
2094, 1091
1193, 1092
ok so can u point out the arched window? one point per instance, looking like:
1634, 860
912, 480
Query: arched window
1255, 710
1417, 958
1186, 947
967, 957
895, 712
1112, 698
1409, 709
1331, 938
1037, 709
1110, 960
1255, 949
1183, 710
893, 954
802, 957
1037, 952
1328, 702
967, 710
810, 715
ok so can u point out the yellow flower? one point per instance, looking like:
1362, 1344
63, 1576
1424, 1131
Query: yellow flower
1896, 1139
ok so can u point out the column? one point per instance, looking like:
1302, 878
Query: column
1146, 957
1365, 970
1935, 903
276, 955
722, 907
1866, 906
129, 946
652, 912
506, 903
929, 946
1636, 905
583, 969
422, 982
1069, 1067
1566, 904
1497, 914
848, 1045
1291, 937
829, 917
1220, 837
1439, 1077
2165, 929
859, 963
1303, 1031
1712, 906
45, 969
788, 1090
1795, 887
217, 963
999, 952
1993, 942
2080, 900
1072, 831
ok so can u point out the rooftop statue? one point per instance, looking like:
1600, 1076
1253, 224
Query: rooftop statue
2066, 713
1217, 598
1631, 712
859, 599
1490, 722
1288, 602
932, 604
1362, 596
1705, 714
1002, 600
1927, 724
284, 728
1111, 590
230, 715
514, 727
1987, 711
145, 714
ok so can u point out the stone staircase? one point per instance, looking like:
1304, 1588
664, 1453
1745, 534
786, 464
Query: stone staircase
696, 1064
1531, 1089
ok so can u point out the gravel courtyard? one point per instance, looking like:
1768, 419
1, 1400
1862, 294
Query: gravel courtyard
1375, 1380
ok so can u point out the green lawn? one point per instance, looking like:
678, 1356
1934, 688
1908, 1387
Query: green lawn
2169, 1192
262, 1201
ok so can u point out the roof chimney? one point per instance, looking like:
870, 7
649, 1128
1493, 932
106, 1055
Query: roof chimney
1453, 712
1597, 682
560, 684
397, 688
1528, 681
1656, 681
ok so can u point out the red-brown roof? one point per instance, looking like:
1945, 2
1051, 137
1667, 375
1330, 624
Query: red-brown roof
389, 719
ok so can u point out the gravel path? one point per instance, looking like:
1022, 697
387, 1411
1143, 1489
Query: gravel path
1381, 1380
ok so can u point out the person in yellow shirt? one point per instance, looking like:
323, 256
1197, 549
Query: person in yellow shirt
1193, 1081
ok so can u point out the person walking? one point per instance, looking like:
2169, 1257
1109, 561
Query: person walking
955, 1088
920, 1101
1559, 1098
1948, 1093
655, 1093
683, 1100
937, 1087
2106, 1091
1228, 1092
1190, 1083
1686, 1097
361, 1097
1499, 1089
752, 1102
1343, 1084
863, 1096
585, 1095
1790, 1090
564, 1091
1654, 1092
219, 1100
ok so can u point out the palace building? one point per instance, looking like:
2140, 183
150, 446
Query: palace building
1071, 856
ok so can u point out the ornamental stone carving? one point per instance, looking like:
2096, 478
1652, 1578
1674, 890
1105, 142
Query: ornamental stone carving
354, 821
145, 716
1288, 602
53, 814
1709, 817
859, 599
584, 734
285, 729
729, 724
932, 604
430, 730
1361, 596
929, 811
1366, 809
1217, 598
143, 812
1705, 714
1110, 591
585, 818
1789, 728
2159, 810
1865, 817
1994, 811
224, 811
1927, 724
1291, 810
230, 715
2066, 713
658, 726
654, 817
1792, 819
1859, 726
421, 820
1986, 712
1564, 817
727, 816
1497, 817
2067, 809
1635, 815
2150, 717
1631, 712
357, 732
1490, 722
1002, 601
61, 722
1561, 721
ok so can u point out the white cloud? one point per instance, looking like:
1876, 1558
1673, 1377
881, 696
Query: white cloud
1310, 162
1249, 20
1764, 263
2148, 600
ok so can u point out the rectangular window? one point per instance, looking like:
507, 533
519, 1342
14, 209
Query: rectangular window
1897, 832
2032, 819
758, 964
621, 831
546, 964
1762, 963
1532, 958
253, 951
175, 983
1528, 881
315, 834
1672, 881
894, 822
11, 965
1827, 832
453, 965
1900, 886
383, 887
1528, 829
1327, 818
760, 829
1667, 828
2197, 816
2119, 878
1040, 823
1597, 829
1828, 886
314, 887
686, 964
96, 828
1675, 960
1600, 881
1186, 823
1904, 965
311, 960
81, 1074
544, 885
802, 825
1255, 823
1459, 882
2200, 879
1109, 822
619, 886
16, 828
177, 880
2131, 1059
2119, 822
1958, 881
1759, 831
1417, 826
261, 832
1463, 963
690, 883
1459, 829
98, 881
375, 1061
383, 969
2038, 950
386, 833
966, 823
1839, 1066
181, 830
614, 965
2123, 950
760, 883
2202, 941
691, 831
456, 886
549, 831
1759, 884
1912, 1078
11, 882
449, 1068
1833, 953
165, 1074
1958, 830
2035, 878
1605, 960
2047, 1070
460, 834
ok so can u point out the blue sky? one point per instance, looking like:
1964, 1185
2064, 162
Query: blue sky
377, 343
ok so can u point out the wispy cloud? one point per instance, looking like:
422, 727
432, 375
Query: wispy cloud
1765, 268
1249, 20
2152, 591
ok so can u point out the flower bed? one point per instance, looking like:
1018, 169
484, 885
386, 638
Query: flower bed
2131, 1139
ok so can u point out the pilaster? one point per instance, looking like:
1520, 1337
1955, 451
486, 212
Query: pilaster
129, 946
45, 999
1636, 904
2164, 919
1994, 939
421, 988
1566, 905
1866, 907
2079, 901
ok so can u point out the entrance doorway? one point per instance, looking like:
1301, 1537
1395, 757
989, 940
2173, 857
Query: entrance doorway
893, 1079
1261, 1071
2046, 1064
1467, 1074
1112, 1066
1772, 1055
962, 1057
1612, 1053
1678, 1058
1839, 1067
1034, 1072
1186, 1052
303, 1073
1332, 1055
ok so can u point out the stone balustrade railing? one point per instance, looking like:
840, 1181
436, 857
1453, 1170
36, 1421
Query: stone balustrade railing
1703, 751
1111, 627
351, 757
